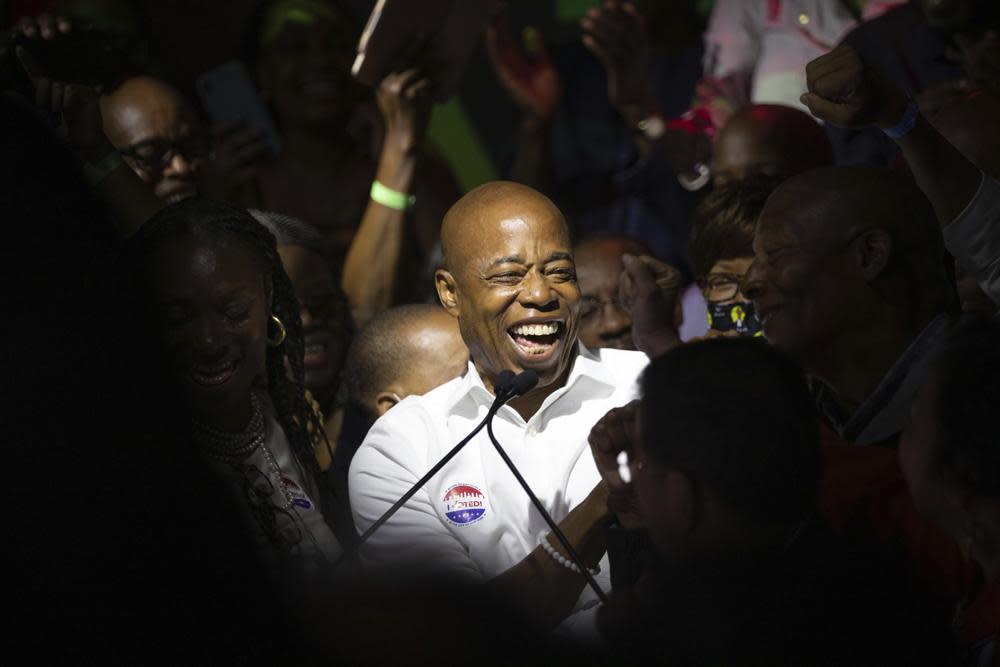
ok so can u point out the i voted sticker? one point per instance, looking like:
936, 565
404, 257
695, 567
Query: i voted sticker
464, 504
298, 496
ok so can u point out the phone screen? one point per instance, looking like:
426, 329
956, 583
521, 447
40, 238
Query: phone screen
228, 94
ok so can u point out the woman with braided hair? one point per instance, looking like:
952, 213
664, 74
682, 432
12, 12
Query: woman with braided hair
225, 311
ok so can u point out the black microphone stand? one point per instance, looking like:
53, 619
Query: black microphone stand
507, 387
574, 556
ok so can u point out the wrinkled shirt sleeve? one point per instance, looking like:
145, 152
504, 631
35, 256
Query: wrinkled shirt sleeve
414, 540
974, 237
733, 38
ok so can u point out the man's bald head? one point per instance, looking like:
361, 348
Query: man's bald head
836, 249
407, 350
828, 207
483, 210
769, 139
142, 117
510, 279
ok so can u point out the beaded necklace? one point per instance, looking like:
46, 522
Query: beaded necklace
234, 448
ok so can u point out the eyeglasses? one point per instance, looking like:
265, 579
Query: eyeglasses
155, 155
720, 286
591, 306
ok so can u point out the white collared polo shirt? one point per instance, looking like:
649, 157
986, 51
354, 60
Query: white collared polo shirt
773, 40
473, 520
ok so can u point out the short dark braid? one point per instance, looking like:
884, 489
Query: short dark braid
286, 385
211, 220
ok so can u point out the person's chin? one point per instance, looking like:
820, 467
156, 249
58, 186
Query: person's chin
172, 193
213, 387
623, 342
318, 381
782, 333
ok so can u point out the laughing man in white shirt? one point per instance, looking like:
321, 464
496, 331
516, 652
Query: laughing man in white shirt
511, 282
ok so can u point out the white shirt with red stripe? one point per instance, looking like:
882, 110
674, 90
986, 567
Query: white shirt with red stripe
771, 41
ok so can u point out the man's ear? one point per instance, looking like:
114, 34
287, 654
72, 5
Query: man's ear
872, 250
447, 291
385, 401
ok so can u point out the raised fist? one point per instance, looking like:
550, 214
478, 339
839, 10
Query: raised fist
845, 92
616, 33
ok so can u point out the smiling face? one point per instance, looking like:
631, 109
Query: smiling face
801, 281
325, 315
603, 321
305, 72
512, 284
722, 284
212, 308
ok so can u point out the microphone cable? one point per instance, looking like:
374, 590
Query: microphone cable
574, 556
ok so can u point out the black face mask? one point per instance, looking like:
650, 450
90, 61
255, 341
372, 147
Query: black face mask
739, 317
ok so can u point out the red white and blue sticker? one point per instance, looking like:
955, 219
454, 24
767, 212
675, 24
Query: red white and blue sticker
299, 497
464, 504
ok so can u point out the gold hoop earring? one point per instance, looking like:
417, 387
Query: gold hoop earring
281, 332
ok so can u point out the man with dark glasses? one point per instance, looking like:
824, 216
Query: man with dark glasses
158, 134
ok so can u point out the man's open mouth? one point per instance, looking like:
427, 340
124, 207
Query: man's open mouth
537, 341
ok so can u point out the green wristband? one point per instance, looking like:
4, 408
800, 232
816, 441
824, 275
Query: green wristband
95, 173
399, 201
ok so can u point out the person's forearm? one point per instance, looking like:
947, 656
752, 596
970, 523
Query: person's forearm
633, 115
130, 200
545, 590
946, 177
373, 257
533, 157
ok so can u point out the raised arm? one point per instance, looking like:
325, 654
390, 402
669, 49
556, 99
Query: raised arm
373, 258
130, 201
844, 91
545, 591
617, 34
532, 82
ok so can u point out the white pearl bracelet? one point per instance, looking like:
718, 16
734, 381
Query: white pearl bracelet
562, 560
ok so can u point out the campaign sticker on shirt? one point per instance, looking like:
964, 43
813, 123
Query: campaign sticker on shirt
464, 504
299, 497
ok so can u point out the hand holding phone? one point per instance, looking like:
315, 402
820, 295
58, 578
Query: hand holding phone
436, 36
237, 151
67, 102
230, 97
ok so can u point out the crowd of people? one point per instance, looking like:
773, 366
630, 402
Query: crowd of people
744, 266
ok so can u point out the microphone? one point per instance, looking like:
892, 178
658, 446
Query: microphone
507, 386
511, 385
517, 385
503, 384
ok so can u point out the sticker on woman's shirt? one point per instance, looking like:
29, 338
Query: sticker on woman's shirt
299, 497
464, 504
